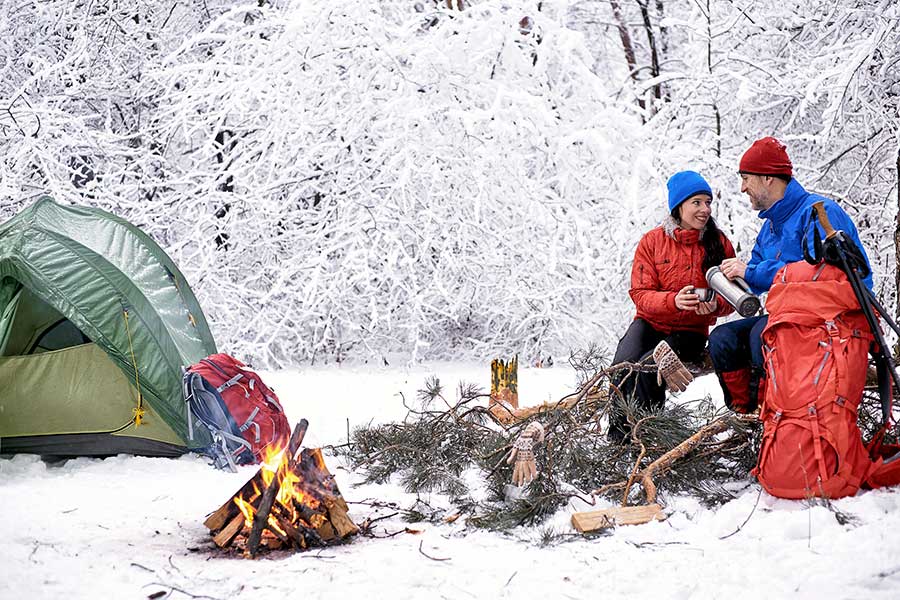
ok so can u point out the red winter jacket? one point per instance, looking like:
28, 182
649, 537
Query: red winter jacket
665, 261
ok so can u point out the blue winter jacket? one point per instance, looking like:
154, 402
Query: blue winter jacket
780, 241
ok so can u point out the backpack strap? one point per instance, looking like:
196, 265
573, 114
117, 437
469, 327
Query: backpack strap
817, 442
231, 382
204, 402
251, 421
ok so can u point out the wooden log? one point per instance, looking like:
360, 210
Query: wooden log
595, 520
297, 439
337, 516
508, 416
265, 504
330, 496
277, 531
226, 512
251, 490
505, 382
228, 533
271, 543
634, 515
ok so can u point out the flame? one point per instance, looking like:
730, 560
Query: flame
271, 461
290, 492
246, 509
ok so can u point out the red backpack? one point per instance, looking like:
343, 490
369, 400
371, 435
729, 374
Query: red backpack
242, 414
816, 346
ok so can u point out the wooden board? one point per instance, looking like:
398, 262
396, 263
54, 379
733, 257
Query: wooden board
595, 520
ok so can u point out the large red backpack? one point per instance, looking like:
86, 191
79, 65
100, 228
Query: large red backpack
816, 346
242, 413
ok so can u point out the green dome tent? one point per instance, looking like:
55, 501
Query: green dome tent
91, 311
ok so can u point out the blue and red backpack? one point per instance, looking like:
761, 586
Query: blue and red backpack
242, 413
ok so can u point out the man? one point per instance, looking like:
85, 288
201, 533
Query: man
767, 178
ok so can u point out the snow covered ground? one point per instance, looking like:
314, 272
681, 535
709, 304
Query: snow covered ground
125, 527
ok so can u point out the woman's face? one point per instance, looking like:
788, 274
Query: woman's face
695, 211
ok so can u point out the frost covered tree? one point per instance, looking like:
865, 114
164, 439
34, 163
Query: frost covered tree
344, 179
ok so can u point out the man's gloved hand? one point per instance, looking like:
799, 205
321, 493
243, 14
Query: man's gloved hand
670, 368
525, 469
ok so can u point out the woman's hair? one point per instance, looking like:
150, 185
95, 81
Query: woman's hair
710, 239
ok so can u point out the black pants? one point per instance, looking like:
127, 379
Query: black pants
641, 388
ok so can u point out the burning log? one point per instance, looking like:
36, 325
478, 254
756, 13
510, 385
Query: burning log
291, 502
261, 518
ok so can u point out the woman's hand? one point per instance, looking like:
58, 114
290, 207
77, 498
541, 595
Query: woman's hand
707, 308
686, 299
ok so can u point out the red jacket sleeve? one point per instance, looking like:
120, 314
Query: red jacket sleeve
645, 286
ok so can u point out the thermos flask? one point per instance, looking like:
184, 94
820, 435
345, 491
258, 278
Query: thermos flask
735, 291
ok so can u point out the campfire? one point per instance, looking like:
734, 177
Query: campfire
292, 502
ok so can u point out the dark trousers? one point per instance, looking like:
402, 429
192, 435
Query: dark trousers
736, 352
637, 344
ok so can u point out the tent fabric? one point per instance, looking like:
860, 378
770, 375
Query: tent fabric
88, 444
115, 285
33, 327
79, 390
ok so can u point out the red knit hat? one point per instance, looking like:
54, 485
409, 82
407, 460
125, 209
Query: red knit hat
767, 156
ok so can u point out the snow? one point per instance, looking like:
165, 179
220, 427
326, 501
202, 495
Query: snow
124, 527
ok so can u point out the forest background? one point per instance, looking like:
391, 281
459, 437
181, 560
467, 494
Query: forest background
413, 179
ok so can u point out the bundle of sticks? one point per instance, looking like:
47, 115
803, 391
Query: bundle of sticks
298, 506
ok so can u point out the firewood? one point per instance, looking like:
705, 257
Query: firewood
315, 515
228, 533
326, 531
272, 543
295, 530
265, 504
505, 382
337, 515
333, 501
297, 439
226, 512
595, 520
282, 536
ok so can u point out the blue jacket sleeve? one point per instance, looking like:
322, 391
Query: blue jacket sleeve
760, 272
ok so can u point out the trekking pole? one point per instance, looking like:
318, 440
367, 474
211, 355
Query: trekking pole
881, 311
840, 243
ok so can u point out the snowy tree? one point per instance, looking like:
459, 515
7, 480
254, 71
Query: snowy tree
406, 178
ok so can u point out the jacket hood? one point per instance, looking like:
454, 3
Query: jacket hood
684, 236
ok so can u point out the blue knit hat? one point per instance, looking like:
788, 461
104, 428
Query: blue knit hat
685, 184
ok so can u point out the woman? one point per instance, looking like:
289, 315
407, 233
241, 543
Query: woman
669, 264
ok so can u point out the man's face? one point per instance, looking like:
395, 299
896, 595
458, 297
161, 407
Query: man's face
760, 190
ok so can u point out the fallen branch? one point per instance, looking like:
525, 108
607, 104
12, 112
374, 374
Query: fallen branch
427, 556
633, 515
665, 461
